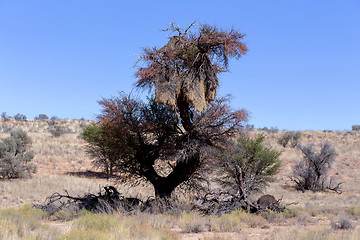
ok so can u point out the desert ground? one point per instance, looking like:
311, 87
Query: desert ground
62, 164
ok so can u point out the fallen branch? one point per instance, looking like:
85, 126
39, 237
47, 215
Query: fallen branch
107, 201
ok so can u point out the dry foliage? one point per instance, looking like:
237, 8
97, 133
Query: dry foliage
311, 173
186, 68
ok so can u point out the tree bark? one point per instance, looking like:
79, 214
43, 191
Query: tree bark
184, 169
164, 186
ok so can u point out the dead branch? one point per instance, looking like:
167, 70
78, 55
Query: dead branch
107, 200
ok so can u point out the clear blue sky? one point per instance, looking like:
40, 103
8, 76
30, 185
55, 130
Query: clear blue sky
302, 70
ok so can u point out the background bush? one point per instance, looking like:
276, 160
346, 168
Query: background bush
311, 172
291, 138
15, 156
355, 127
42, 117
56, 130
20, 117
4, 116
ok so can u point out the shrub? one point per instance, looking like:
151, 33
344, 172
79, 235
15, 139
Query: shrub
192, 223
278, 217
42, 117
354, 211
56, 130
311, 172
20, 117
355, 127
290, 137
342, 223
4, 116
235, 220
249, 127
269, 130
15, 156
257, 163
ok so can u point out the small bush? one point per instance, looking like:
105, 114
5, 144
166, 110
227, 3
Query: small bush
15, 156
354, 211
249, 127
4, 116
311, 172
232, 221
291, 138
269, 130
42, 117
342, 223
272, 216
194, 227
192, 222
291, 213
235, 220
20, 117
355, 127
56, 130
5, 128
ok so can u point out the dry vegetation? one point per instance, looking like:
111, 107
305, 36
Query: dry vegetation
63, 164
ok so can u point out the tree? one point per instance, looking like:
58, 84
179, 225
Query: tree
311, 172
249, 166
15, 156
172, 138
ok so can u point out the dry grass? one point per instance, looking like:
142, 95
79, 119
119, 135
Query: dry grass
316, 213
54, 155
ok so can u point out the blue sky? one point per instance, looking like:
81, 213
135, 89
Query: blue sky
302, 70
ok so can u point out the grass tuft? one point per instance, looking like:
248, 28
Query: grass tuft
354, 211
342, 223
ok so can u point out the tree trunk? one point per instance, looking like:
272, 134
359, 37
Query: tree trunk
164, 186
184, 169
163, 189
181, 173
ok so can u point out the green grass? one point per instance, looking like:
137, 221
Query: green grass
354, 211
108, 227
33, 224
24, 223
